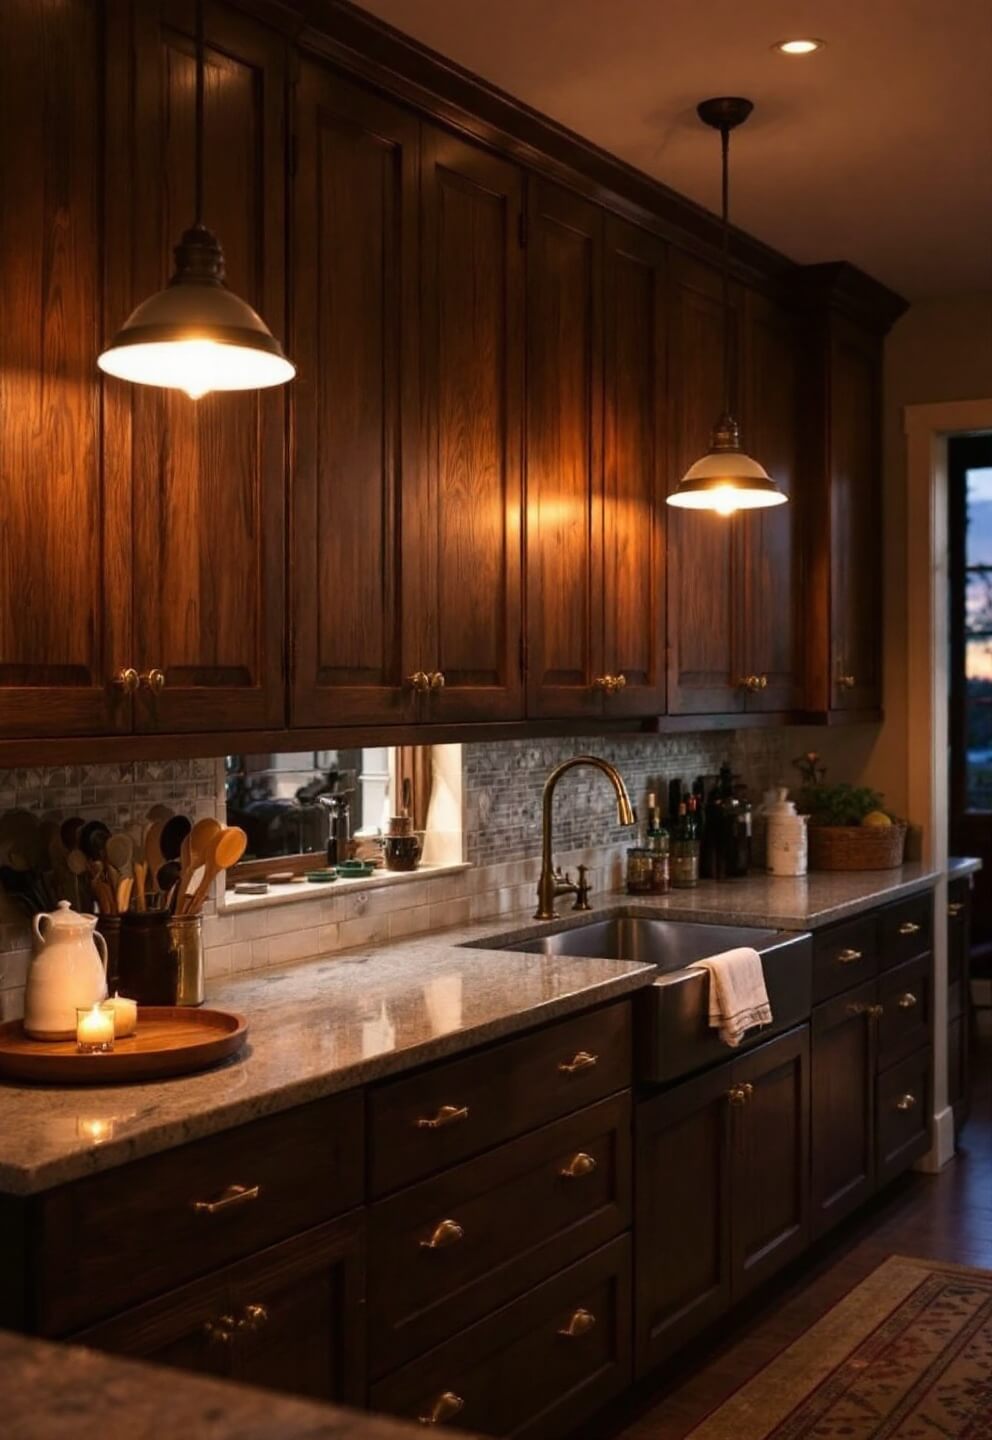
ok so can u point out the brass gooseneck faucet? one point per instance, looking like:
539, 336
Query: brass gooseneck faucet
552, 882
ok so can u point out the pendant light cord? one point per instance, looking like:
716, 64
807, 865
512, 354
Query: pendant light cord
725, 150
198, 120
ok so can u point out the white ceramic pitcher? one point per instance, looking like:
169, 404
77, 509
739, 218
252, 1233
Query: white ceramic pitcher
68, 971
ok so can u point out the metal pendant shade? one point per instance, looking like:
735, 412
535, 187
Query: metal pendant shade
726, 478
196, 334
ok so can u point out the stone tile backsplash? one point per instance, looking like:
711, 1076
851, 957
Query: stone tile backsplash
502, 786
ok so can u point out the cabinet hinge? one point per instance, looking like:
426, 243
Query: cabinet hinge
522, 228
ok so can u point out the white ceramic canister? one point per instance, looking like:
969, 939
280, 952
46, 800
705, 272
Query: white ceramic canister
786, 851
68, 972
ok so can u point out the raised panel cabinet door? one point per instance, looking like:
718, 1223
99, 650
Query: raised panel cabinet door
472, 297
634, 470
64, 566
358, 621
773, 598
855, 519
209, 475
564, 439
770, 1166
682, 1216
703, 550
842, 1105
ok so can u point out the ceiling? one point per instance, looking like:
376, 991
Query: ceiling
876, 149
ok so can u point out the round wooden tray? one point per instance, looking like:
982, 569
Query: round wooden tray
169, 1040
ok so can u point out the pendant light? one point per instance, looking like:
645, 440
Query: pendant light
726, 479
196, 334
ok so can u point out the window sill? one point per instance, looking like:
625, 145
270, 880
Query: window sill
291, 894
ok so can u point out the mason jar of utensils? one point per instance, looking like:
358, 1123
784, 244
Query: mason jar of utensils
161, 958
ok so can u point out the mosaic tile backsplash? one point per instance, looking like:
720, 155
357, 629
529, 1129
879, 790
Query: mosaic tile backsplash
502, 786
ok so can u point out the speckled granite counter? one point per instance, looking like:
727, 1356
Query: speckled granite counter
67, 1393
961, 865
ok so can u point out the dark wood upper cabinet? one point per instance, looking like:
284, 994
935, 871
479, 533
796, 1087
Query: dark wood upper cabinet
705, 578
358, 612
564, 454
771, 634
208, 475
472, 316
64, 513
634, 479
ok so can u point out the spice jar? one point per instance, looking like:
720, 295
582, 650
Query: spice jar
640, 870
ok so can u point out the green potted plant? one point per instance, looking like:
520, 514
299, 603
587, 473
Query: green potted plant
849, 827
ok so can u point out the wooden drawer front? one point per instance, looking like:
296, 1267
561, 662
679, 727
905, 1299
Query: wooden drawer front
426, 1122
905, 994
141, 1230
534, 1369
906, 930
902, 1122
844, 956
451, 1249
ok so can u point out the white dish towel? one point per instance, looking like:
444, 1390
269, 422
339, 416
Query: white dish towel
738, 997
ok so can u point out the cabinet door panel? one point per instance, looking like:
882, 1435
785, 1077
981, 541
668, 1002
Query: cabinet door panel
357, 613
564, 454
634, 489
772, 571
704, 561
771, 1160
209, 474
682, 1216
473, 308
64, 573
842, 1088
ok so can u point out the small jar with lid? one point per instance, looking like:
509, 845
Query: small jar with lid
640, 870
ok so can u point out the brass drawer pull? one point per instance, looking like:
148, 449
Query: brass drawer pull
846, 682
906, 1102
436, 679
420, 681
234, 1195
579, 1166
907, 1001
909, 927
583, 1060
580, 1322
849, 957
447, 1115
447, 1232
153, 679
955, 908
445, 1408
128, 679
220, 1331
740, 1094
253, 1317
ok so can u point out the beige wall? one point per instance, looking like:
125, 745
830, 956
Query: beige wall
940, 350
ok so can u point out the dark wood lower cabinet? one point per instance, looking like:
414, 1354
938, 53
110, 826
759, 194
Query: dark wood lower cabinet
903, 1106
290, 1318
842, 1114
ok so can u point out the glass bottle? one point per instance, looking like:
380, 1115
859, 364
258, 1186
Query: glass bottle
685, 851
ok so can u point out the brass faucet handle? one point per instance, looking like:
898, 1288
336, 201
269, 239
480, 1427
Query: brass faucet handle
582, 890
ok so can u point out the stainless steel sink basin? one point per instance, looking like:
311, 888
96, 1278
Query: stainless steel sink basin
674, 1035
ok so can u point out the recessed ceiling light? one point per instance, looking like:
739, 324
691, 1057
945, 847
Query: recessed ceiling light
798, 47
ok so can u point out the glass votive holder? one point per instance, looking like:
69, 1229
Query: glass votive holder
95, 1029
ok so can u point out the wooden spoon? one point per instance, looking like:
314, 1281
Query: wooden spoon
174, 832
227, 849
194, 851
140, 882
119, 852
154, 858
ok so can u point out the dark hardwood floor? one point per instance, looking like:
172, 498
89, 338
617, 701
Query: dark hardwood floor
939, 1217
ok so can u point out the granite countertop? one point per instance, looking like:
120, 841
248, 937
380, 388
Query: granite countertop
63, 1392
324, 1026
961, 865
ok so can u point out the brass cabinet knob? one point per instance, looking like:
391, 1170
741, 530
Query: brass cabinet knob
909, 927
447, 1115
876, 1011
445, 1408
220, 1331
848, 957
740, 1094
444, 1234
436, 679
582, 1060
253, 1317
128, 679
604, 682
907, 1001
753, 683
906, 1102
846, 682
620, 682
579, 1166
233, 1196
579, 1323
420, 680
955, 908
153, 680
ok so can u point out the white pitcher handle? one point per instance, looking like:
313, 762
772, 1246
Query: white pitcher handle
101, 945
36, 926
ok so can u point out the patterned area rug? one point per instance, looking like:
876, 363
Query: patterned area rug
907, 1355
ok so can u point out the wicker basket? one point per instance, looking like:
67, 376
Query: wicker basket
856, 847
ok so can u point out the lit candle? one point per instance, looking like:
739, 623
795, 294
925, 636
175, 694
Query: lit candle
125, 1015
95, 1028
